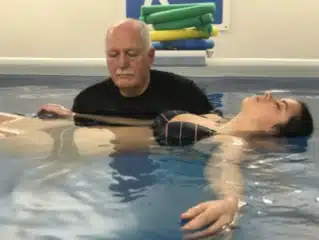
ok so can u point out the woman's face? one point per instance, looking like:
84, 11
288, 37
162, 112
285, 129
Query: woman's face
269, 111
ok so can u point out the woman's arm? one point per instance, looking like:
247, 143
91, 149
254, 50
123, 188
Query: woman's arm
223, 169
224, 176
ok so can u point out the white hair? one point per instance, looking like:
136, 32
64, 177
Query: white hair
143, 28
145, 35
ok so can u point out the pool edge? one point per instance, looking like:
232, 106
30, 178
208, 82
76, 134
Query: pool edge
271, 67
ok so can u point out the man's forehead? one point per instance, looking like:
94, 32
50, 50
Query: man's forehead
124, 41
126, 30
123, 49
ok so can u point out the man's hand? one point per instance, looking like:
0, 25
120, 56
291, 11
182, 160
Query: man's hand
54, 111
210, 217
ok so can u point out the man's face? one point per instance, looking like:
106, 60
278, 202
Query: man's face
128, 60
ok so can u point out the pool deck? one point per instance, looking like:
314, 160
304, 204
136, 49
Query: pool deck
191, 64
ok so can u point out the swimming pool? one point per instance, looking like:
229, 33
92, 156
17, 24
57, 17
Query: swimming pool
140, 195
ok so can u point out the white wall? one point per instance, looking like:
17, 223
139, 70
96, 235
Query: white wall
76, 28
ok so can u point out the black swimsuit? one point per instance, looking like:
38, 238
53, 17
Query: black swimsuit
178, 133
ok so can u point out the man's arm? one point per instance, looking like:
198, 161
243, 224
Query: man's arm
191, 97
80, 108
199, 100
57, 111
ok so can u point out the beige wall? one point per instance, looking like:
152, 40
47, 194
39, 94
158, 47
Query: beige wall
76, 28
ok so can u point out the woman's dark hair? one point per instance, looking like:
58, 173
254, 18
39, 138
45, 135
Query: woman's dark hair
297, 126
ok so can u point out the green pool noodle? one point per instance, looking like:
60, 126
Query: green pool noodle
185, 23
207, 28
177, 14
147, 10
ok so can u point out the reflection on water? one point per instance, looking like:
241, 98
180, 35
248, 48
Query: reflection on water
61, 189
281, 190
132, 175
76, 207
67, 192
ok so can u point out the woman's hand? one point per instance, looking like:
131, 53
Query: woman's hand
210, 217
54, 111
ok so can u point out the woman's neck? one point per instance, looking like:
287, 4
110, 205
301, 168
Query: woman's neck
240, 124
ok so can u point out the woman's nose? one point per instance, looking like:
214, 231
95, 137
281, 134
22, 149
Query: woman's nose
268, 95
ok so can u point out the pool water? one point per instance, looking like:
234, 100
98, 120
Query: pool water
141, 194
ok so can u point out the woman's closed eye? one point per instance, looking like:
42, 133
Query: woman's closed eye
278, 106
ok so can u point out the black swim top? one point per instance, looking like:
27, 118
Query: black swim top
178, 133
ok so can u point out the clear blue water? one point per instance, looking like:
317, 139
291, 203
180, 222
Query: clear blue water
140, 195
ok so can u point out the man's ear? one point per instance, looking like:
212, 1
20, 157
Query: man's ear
151, 55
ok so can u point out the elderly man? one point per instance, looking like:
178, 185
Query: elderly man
133, 88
